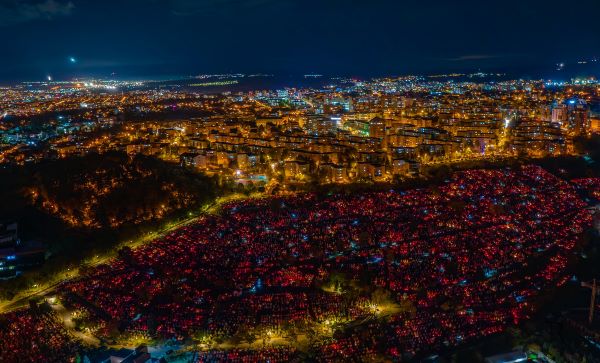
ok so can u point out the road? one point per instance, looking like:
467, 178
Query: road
36, 292
66, 318
42, 291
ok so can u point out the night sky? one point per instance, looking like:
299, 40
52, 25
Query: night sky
146, 38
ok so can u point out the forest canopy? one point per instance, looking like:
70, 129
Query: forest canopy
100, 191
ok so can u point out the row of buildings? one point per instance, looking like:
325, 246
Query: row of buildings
354, 130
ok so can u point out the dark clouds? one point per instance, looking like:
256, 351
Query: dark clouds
211, 7
19, 11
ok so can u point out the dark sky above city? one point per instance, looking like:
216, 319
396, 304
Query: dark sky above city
135, 38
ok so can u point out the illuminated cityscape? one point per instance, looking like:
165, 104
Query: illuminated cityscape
299, 181
342, 132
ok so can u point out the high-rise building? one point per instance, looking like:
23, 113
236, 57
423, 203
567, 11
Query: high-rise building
377, 127
14, 255
578, 116
319, 125
572, 116
559, 114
